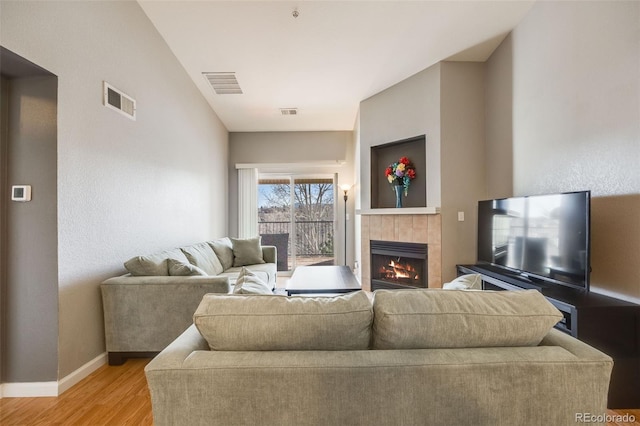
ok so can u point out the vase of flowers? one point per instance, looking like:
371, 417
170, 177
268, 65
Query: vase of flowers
400, 174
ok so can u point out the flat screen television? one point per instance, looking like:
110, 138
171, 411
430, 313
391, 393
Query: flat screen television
540, 238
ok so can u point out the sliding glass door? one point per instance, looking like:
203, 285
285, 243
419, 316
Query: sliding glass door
297, 215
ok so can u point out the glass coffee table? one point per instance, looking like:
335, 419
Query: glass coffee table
322, 279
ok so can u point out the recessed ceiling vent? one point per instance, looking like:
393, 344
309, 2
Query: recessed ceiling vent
289, 111
118, 101
224, 83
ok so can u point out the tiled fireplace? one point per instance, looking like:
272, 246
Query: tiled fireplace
424, 229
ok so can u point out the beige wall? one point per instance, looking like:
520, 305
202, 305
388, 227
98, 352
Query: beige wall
330, 152
575, 92
124, 187
499, 121
462, 160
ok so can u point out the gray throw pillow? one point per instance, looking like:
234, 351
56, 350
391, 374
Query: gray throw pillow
181, 269
246, 251
250, 283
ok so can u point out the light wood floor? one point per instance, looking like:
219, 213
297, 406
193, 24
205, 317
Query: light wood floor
111, 396
115, 395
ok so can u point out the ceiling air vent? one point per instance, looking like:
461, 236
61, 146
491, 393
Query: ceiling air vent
118, 101
224, 83
289, 111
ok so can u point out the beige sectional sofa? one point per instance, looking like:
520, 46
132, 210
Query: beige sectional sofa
407, 357
147, 308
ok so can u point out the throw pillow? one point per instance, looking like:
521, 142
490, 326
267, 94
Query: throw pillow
202, 256
426, 319
465, 282
181, 269
250, 283
246, 251
281, 323
224, 250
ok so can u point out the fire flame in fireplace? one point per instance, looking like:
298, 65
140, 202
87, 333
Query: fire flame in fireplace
396, 270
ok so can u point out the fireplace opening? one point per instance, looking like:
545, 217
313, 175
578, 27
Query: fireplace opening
398, 265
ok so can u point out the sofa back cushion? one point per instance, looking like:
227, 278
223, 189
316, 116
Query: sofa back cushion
153, 264
278, 323
202, 256
184, 269
424, 319
224, 250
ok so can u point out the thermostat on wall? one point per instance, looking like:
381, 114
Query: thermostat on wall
21, 193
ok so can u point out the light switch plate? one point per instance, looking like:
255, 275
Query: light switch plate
21, 193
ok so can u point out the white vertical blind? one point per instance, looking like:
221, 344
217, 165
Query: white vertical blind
247, 203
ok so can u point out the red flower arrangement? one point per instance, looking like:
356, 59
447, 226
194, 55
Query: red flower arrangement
401, 173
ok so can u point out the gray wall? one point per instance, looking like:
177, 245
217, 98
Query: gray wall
571, 71
305, 150
124, 187
31, 237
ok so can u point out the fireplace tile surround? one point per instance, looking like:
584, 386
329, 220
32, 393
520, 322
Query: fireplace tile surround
412, 228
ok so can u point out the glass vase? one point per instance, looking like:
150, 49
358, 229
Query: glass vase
399, 189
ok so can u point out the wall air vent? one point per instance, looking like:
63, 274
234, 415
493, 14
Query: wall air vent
223, 83
118, 101
289, 111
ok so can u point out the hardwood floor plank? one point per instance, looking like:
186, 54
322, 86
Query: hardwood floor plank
117, 395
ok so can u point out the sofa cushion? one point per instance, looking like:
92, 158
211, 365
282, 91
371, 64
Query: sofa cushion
153, 264
278, 323
250, 283
202, 256
224, 250
246, 251
424, 319
182, 269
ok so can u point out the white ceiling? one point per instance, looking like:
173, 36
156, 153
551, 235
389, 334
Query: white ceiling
327, 60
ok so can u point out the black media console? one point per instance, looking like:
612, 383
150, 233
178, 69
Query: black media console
608, 324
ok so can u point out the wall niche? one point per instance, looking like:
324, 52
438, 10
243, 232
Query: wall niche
382, 194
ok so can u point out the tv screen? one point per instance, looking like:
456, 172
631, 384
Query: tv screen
542, 236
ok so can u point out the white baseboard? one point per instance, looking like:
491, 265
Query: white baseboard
30, 389
48, 389
66, 382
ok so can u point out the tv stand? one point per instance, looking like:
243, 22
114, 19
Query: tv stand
608, 324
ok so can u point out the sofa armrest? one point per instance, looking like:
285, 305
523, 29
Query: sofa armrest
578, 348
269, 254
178, 351
145, 314
217, 284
